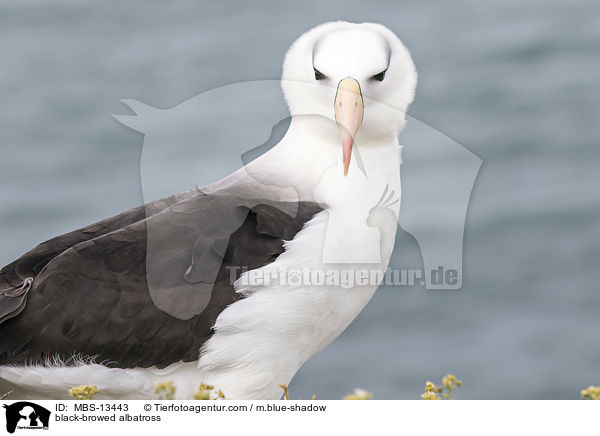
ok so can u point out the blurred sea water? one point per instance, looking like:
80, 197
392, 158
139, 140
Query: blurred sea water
514, 82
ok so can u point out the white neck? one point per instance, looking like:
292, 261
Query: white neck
311, 147
297, 322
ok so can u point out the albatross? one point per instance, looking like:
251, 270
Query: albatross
233, 284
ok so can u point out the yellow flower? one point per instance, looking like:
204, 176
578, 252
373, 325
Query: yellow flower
429, 387
359, 394
449, 382
83, 392
429, 395
204, 393
165, 390
591, 393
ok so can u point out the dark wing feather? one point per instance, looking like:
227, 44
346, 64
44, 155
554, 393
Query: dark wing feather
14, 275
92, 295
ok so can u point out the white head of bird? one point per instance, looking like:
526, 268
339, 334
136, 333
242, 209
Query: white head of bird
359, 75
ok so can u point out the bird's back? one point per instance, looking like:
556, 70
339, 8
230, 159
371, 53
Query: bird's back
87, 293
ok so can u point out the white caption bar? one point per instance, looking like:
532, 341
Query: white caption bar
299, 417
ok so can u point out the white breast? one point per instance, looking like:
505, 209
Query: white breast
261, 341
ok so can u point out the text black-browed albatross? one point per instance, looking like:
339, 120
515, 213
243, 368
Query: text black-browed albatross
122, 304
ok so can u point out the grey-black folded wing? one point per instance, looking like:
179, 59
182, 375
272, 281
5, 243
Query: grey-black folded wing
16, 277
143, 288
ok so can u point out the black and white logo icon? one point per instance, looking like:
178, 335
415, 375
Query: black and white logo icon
26, 415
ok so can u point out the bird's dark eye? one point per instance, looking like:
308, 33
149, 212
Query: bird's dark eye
380, 76
318, 74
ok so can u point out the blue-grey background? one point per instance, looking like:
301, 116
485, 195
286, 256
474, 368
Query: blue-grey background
516, 82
